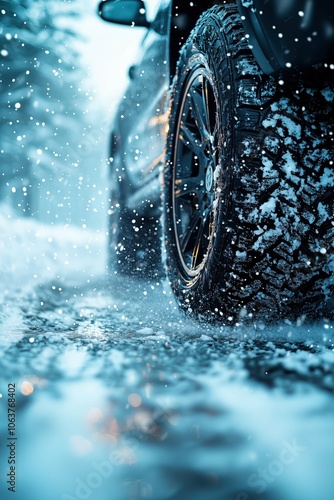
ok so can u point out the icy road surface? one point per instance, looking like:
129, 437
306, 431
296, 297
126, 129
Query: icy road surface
120, 397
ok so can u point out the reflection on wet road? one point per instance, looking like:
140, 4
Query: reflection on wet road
120, 397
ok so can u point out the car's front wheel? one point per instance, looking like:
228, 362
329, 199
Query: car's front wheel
248, 183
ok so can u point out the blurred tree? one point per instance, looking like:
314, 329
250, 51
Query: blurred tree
41, 104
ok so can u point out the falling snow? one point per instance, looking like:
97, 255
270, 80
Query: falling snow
119, 395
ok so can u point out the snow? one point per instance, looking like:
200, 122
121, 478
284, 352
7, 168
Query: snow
120, 379
247, 3
130, 398
269, 206
328, 94
32, 253
146, 331
293, 128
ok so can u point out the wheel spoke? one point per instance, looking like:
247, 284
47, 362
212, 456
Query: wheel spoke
185, 187
191, 231
198, 252
210, 107
189, 139
207, 105
201, 115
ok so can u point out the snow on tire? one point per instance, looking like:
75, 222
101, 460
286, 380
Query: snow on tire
257, 241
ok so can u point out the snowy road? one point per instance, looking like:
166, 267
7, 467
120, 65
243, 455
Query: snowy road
119, 397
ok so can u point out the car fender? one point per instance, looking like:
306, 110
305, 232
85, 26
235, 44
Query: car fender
285, 34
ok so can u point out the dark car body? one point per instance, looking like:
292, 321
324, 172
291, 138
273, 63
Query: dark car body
289, 33
279, 34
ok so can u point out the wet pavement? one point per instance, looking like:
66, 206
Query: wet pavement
119, 397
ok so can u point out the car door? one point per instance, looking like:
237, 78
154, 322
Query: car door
142, 117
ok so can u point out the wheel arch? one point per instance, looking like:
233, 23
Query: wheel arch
183, 20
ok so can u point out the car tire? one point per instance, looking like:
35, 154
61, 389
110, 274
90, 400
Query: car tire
134, 240
248, 183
